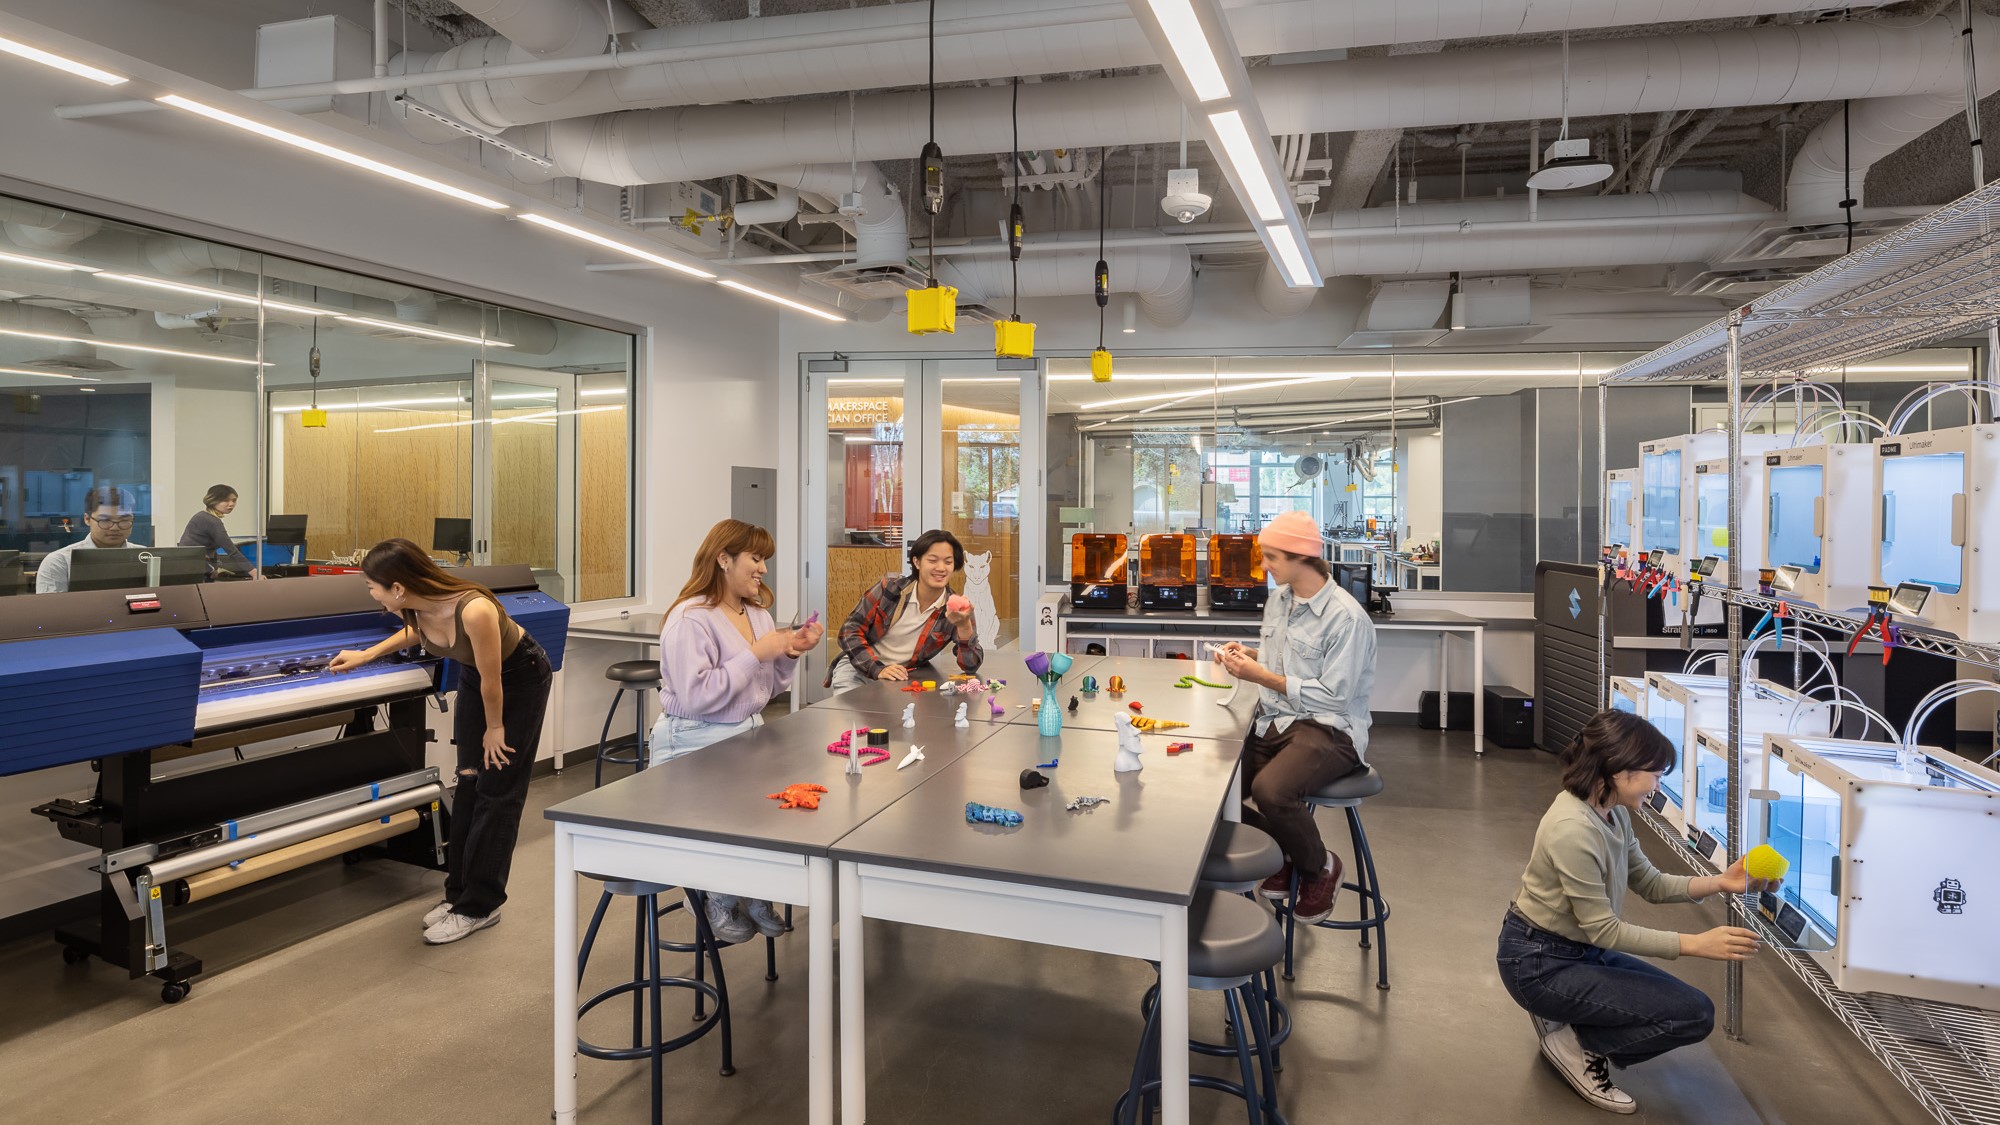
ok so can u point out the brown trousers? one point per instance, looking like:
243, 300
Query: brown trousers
1279, 770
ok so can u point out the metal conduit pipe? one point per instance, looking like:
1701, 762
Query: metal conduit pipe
1776, 64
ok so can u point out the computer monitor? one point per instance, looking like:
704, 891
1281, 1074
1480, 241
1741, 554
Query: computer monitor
285, 531
1355, 579
452, 534
124, 568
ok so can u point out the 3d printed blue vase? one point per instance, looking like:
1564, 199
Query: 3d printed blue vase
1049, 668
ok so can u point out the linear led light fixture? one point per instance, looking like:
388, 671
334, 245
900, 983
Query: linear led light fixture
1189, 41
1238, 389
352, 159
82, 70
117, 345
231, 296
47, 374
46, 263
422, 330
801, 306
1452, 373
538, 416
614, 244
481, 135
1241, 153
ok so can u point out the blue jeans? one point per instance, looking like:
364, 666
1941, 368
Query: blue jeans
674, 736
1621, 1007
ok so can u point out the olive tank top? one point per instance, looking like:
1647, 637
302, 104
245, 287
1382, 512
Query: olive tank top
460, 648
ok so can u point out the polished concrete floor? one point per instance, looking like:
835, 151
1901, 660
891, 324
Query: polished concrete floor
321, 1005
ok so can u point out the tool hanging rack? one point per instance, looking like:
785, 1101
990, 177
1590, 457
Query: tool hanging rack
1936, 279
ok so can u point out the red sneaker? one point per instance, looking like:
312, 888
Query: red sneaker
1316, 894
1279, 885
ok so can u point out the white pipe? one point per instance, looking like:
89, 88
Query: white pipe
33, 226
780, 208
380, 45
1697, 70
881, 231
1162, 277
1832, 157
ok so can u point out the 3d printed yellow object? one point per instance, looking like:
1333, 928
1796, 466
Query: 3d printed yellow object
1766, 862
1151, 725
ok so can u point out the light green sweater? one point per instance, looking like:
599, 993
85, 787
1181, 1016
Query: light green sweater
1577, 877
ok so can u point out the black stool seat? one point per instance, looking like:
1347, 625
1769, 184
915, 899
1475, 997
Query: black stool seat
1239, 853
1231, 936
1360, 784
634, 672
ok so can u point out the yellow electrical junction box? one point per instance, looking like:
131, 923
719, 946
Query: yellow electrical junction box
1013, 339
1100, 365
933, 310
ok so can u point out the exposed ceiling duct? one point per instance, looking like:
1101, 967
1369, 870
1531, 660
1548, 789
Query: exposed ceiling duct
1162, 277
1841, 151
880, 47
32, 226
1768, 65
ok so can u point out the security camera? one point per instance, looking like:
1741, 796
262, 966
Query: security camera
1184, 199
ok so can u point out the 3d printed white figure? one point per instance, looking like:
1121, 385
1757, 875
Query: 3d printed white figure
909, 715
915, 755
1129, 746
958, 720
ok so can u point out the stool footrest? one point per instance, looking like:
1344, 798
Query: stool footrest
628, 1054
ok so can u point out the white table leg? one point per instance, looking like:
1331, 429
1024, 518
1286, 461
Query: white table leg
565, 973
1478, 690
1232, 808
853, 1016
819, 991
1444, 679
1174, 1018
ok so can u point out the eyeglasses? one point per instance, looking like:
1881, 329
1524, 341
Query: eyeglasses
109, 522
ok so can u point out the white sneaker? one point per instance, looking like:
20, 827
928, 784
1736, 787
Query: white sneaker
435, 915
455, 927
1588, 1074
728, 926
1544, 1028
765, 917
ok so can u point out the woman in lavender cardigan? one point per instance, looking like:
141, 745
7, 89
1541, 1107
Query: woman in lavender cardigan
722, 658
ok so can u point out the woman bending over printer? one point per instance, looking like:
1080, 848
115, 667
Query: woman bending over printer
503, 693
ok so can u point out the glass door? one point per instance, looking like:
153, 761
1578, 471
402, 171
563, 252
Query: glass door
894, 448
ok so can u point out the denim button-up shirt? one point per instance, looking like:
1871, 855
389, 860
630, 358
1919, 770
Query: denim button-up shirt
1324, 647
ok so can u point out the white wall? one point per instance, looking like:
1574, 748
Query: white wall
1423, 477
708, 379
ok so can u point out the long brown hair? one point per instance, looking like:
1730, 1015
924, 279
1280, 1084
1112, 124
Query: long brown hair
730, 537
399, 560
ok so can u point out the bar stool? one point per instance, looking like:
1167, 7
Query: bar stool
637, 677
1240, 858
648, 984
1232, 942
1347, 794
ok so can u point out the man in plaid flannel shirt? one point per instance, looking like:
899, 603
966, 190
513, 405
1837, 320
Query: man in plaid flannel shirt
905, 619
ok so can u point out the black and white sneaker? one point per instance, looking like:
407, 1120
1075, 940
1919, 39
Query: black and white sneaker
1587, 1073
1543, 1028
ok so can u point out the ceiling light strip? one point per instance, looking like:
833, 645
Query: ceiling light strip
1191, 48
1242, 155
120, 346
613, 244
801, 306
423, 330
45, 263
352, 159
47, 374
82, 70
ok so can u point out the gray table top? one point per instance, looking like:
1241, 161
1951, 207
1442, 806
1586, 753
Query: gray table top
1404, 615
1150, 684
718, 793
1148, 842
885, 697
638, 626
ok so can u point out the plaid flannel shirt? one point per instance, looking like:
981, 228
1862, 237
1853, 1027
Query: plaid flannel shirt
877, 610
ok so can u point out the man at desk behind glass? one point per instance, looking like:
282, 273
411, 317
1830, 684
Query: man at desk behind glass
107, 516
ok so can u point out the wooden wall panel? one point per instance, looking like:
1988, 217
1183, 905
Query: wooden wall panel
603, 507
524, 492
850, 571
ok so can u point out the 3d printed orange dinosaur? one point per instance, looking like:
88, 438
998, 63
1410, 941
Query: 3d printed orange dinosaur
800, 795
1149, 724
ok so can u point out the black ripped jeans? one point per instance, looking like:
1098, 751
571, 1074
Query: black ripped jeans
486, 807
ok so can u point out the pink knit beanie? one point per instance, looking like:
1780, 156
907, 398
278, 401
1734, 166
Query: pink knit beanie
1292, 532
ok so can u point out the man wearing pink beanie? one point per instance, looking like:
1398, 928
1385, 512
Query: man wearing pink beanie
1314, 672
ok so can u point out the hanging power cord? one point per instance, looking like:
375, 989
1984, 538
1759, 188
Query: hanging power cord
1847, 169
1015, 225
933, 156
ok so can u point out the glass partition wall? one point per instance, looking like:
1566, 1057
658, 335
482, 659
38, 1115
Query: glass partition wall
132, 360
1452, 471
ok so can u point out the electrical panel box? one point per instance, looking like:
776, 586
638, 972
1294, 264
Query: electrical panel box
1818, 506
1621, 490
1892, 886
1680, 704
1940, 504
